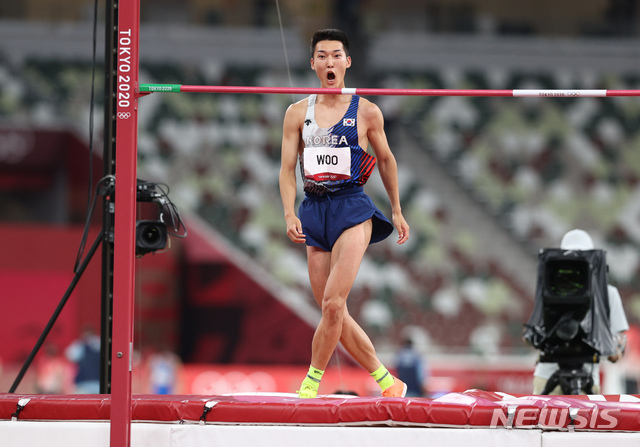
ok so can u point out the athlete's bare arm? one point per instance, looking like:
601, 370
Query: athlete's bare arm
291, 146
372, 118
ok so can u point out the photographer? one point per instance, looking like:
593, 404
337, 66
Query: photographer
579, 240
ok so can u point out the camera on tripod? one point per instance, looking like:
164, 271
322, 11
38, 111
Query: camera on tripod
152, 234
569, 324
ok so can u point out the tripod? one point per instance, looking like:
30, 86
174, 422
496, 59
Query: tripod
572, 380
108, 160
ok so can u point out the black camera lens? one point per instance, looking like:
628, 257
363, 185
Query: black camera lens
150, 236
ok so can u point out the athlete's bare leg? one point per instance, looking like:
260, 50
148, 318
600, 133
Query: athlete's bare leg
332, 275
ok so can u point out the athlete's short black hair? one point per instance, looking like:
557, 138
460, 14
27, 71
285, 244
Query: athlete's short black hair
329, 34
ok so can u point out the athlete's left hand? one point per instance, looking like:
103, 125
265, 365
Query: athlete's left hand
402, 226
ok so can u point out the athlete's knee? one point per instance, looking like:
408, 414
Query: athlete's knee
333, 308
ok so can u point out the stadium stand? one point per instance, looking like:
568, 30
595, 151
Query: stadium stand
530, 168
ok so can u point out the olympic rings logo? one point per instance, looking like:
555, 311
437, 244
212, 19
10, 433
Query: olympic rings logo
124, 115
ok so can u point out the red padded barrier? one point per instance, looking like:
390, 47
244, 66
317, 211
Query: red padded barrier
473, 408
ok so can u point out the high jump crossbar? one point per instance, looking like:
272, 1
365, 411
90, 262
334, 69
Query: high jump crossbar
518, 93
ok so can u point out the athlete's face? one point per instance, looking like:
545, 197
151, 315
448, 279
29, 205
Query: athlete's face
330, 63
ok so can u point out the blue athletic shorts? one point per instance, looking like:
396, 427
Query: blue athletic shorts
325, 216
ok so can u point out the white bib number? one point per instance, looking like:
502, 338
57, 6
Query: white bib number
327, 163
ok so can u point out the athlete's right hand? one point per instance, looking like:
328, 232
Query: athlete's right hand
294, 230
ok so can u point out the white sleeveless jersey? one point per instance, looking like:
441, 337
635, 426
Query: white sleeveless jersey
332, 159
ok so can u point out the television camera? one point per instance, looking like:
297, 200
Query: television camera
569, 324
152, 234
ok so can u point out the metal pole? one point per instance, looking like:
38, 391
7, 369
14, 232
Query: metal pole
124, 222
106, 314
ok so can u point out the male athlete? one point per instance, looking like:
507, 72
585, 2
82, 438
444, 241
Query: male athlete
329, 135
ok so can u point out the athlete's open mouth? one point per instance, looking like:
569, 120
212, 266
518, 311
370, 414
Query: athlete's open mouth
331, 76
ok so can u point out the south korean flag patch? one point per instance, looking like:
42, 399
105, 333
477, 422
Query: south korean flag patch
349, 122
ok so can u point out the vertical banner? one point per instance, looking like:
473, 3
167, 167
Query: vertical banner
124, 221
